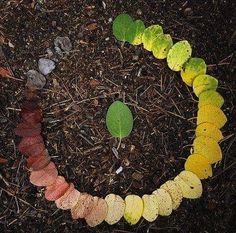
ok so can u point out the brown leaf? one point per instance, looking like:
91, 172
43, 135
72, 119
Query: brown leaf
91, 26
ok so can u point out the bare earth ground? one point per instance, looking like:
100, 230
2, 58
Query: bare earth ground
98, 71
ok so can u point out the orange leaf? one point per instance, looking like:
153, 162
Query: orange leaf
3, 160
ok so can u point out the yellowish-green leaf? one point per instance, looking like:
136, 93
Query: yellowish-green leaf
203, 83
192, 68
211, 114
133, 209
149, 36
209, 130
161, 46
178, 55
199, 165
135, 32
207, 147
210, 97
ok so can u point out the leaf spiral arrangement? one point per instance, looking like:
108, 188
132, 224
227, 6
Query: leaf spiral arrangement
168, 197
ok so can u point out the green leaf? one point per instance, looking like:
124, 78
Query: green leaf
135, 32
150, 34
178, 55
210, 97
192, 68
119, 120
161, 46
120, 26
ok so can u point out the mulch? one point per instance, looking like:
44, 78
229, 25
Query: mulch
86, 81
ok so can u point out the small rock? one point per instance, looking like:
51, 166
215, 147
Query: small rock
58, 51
46, 66
63, 42
35, 79
119, 170
49, 52
188, 11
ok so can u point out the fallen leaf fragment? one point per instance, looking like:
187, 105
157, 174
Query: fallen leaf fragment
30, 105
5, 73
116, 208
33, 150
3, 160
44, 177
28, 141
98, 213
57, 189
69, 199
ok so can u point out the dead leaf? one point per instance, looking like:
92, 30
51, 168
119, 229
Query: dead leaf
94, 83
91, 26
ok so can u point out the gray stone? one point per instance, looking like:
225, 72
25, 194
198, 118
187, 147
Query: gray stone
63, 42
46, 66
35, 79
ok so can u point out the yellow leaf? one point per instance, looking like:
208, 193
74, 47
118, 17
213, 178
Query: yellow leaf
164, 202
175, 192
190, 184
199, 165
133, 209
208, 148
191, 69
116, 208
203, 83
150, 207
210, 97
209, 130
211, 114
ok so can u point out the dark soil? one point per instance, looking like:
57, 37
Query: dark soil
96, 72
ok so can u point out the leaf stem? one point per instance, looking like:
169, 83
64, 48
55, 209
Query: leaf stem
117, 148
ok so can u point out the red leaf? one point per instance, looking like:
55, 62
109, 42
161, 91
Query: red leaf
24, 129
44, 177
57, 189
38, 162
30, 105
28, 141
32, 117
69, 199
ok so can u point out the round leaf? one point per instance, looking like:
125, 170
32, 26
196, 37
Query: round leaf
133, 209
192, 68
190, 184
209, 130
211, 114
135, 32
203, 83
164, 202
178, 55
175, 192
150, 34
119, 120
121, 25
150, 207
199, 165
210, 97
161, 46
208, 148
